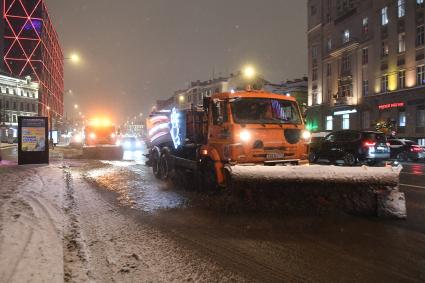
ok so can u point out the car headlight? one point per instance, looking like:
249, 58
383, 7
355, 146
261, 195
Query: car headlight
113, 136
245, 136
78, 139
92, 136
306, 135
118, 143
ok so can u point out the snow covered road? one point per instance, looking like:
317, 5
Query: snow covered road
81, 221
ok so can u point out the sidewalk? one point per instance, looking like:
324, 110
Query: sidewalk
31, 206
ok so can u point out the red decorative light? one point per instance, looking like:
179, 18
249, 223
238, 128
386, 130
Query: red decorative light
391, 105
31, 48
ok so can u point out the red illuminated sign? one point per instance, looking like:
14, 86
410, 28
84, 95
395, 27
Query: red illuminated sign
391, 105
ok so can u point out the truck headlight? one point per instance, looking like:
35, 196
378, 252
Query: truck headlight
306, 135
245, 136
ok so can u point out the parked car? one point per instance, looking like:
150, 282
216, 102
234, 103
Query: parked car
352, 147
404, 150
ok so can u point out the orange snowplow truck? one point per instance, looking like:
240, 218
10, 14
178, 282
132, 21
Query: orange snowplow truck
100, 140
238, 128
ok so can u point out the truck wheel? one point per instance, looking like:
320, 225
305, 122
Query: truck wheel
164, 165
155, 164
208, 176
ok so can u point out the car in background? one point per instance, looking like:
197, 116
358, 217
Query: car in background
352, 147
130, 143
404, 150
76, 140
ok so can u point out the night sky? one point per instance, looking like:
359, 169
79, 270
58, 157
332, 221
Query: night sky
137, 51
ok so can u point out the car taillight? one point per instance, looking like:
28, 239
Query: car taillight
369, 144
416, 149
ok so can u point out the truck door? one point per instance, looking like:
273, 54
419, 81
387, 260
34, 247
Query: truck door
218, 132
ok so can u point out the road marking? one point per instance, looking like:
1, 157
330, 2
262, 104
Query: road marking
413, 186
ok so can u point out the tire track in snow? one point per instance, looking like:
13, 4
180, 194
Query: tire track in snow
74, 251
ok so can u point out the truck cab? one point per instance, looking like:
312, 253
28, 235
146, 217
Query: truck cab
256, 127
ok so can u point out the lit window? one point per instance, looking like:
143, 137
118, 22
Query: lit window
346, 121
329, 123
385, 50
365, 25
401, 42
421, 142
401, 79
420, 75
346, 36
384, 16
384, 83
401, 8
402, 119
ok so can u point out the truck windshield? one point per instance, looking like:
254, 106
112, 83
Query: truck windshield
265, 111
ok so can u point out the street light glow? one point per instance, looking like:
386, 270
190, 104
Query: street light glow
249, 72
181, 98
75, 58
76, 106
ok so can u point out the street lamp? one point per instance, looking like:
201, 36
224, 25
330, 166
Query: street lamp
74, 58
249, 72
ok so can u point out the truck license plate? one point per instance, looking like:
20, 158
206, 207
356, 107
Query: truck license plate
275, 156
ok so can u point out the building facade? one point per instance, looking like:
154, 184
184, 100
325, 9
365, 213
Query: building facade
29, 46
367, 65
18, 97
197, 90
297, 88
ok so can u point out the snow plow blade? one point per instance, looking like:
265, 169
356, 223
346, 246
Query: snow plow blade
359, 190
103, 152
